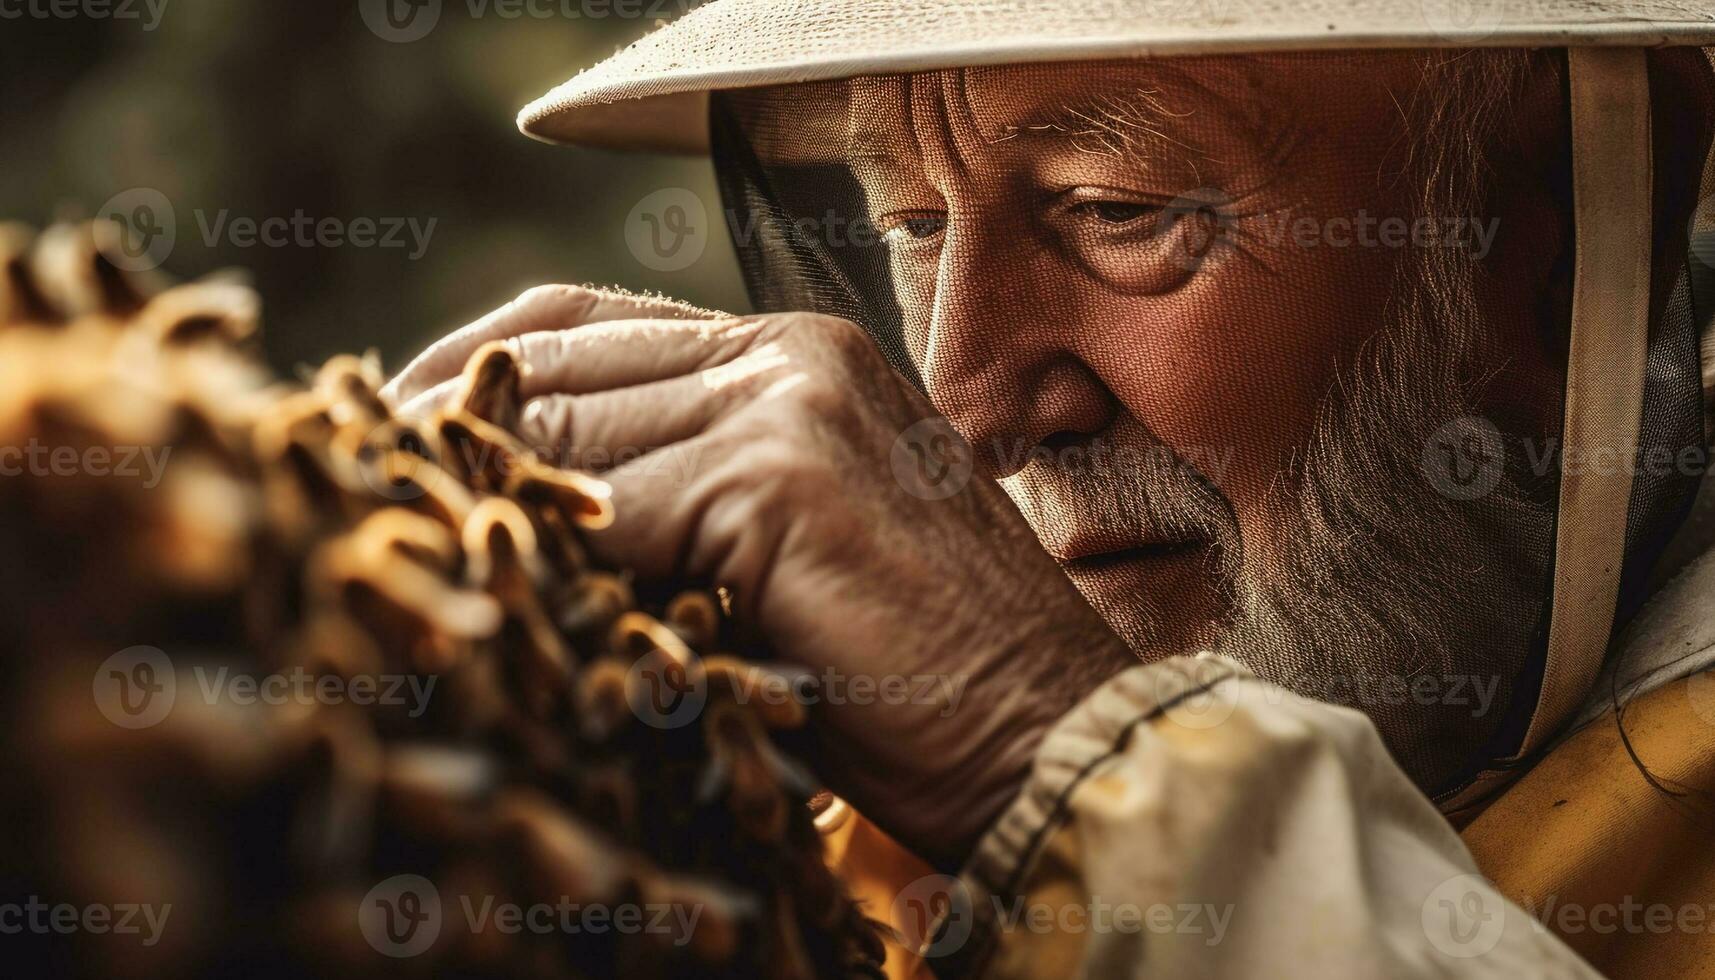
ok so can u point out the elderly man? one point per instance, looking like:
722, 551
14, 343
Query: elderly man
1316, 379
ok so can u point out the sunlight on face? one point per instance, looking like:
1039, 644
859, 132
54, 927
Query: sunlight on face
1200, 316
1095, 253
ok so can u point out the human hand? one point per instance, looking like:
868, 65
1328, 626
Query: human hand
781, 457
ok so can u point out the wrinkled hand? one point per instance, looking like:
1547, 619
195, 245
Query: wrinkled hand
783, 458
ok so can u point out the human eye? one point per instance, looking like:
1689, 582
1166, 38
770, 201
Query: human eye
1115, 212
1137, 242
907, 228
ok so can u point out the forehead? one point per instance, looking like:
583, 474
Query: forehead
1093, 104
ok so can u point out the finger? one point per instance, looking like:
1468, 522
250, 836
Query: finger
542, 308
619, 354
609, 356
625, 422
679, 511
424, 404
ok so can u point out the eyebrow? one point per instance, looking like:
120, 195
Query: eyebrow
1145, 104
1134, 127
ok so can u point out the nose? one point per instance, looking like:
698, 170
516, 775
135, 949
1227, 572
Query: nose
1001, 359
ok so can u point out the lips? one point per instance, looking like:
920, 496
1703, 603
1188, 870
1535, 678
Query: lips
1098, 548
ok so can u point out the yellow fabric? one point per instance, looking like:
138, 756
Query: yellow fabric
875, 868
1583, 837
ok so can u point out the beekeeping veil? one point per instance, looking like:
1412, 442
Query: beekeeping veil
878, 157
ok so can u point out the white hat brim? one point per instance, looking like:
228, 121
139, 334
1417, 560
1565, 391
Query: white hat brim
653, 95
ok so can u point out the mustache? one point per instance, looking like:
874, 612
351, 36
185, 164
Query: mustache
1129, 484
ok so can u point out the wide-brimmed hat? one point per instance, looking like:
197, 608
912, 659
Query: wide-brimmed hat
654, 94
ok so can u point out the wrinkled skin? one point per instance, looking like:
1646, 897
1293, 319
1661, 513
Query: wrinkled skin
774, 480
774, 441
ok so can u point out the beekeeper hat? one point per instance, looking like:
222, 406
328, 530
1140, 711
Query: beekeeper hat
654, 94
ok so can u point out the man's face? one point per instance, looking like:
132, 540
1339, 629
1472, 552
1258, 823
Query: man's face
1202, 319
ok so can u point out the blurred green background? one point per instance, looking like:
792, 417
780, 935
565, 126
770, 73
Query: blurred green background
267, 108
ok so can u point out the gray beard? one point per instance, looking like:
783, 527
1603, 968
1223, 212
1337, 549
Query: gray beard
1387, 580
1384, 581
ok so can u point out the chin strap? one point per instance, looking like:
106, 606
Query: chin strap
1611, 182
1613, 208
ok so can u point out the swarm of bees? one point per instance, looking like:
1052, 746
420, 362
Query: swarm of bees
310, 689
